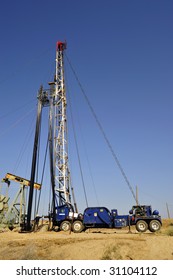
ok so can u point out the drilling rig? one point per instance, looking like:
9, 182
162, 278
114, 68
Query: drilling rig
58, 141
58, 130
55, 98
63, 213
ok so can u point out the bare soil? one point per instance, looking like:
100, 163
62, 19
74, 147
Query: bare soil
93, 244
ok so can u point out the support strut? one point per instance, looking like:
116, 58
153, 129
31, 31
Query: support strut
42, 100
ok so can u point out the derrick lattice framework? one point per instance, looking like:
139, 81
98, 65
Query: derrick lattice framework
60, 144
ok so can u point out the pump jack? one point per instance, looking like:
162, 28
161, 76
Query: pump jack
13, 214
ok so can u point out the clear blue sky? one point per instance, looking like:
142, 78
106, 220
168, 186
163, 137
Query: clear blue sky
122, 54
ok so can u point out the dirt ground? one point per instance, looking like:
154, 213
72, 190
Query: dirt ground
93, 244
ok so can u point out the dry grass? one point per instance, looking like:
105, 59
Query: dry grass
167, 222
103, 244
169, 230
112, 253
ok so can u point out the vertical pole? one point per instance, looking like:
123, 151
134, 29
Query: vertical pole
21, 203
129, 220
34, 160
52, 170
137, 201
168, 211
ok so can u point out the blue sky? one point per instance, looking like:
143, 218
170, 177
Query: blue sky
122, 54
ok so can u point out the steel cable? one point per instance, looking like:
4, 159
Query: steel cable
102, 130
78, 155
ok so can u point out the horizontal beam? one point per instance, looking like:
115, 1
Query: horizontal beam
21, 180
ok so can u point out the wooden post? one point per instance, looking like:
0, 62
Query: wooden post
137, 201
168, 211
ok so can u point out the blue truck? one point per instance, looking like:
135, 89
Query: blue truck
140, 216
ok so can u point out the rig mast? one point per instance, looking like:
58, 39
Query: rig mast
55, 98
58, 115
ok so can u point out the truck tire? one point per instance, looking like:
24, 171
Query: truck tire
77, 226
154, 225
65, 226
141, 226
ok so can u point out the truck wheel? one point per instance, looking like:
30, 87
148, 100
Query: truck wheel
65, 226
154, 225
77, 226
141, 226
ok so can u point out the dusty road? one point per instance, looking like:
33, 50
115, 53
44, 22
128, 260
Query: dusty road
90, 245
